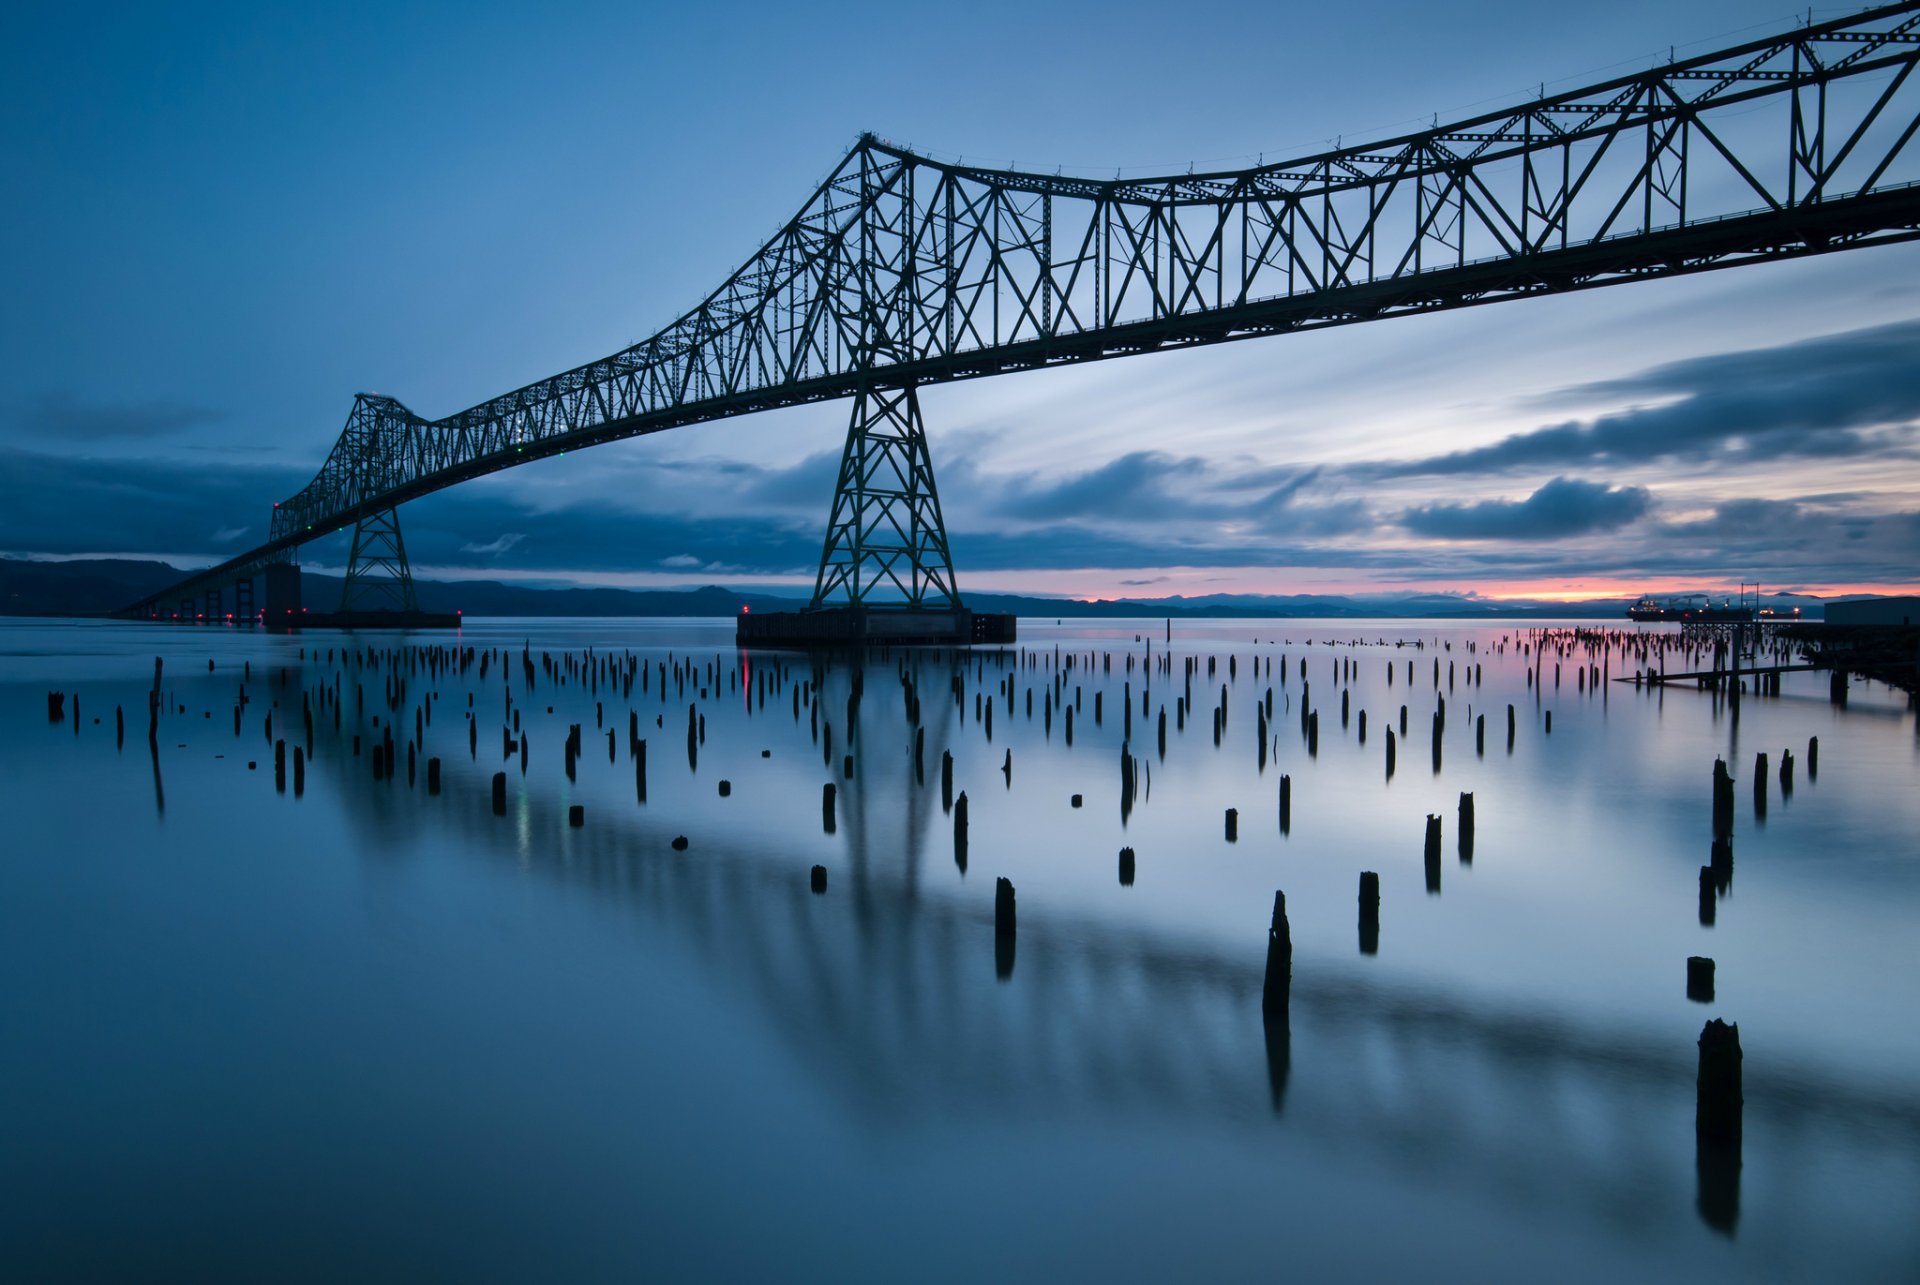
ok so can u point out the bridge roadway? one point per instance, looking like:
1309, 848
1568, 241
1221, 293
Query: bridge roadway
904, 270
886, 995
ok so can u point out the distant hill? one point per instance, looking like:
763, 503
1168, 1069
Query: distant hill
99, 586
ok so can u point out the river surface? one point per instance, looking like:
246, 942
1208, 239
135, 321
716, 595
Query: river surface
259, 1027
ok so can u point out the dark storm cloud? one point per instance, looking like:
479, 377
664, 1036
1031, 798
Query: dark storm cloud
66, 504
64, 417
1840, 395
1561, 508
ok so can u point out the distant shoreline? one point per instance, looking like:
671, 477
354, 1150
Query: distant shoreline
97, 587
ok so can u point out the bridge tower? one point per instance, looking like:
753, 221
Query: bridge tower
378, 578
886, 542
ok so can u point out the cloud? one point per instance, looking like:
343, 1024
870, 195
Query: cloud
1561, 508
495, 547
66, 417
63, 504
1850, 394
1141, 485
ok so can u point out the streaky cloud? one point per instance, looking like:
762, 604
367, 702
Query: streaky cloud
1561, 508
1850, 394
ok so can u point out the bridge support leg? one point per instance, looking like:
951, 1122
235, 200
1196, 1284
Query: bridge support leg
886, 541
377, 574
212, 609
282, 581
243, 608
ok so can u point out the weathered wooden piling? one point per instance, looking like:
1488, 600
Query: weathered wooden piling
433, 776
499, 794
817, 879
1276, 992
1813, 757
1722, 798
679, 843
1233, 825
1286, 803
827, 819
1718, 1102
1709, 894
1480, 735
1432, 853
1126, 867
1700, 979
1760, 783
1391, 740
1466, 825
960, 830
726, 789
299, 772
1369, 912
577, 815
1005, 914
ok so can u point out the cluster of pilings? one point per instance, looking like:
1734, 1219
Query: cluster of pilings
391, 694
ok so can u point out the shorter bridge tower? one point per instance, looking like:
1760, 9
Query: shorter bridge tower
378, 578
886, 541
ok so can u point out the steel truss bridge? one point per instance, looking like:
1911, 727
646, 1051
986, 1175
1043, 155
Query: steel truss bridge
901, 270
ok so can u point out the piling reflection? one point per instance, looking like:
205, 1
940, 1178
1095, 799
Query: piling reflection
872, 962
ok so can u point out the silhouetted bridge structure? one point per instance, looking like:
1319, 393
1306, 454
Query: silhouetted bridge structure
901, 271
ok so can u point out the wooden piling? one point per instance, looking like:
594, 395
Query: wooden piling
1126, 867
1700, 979
817, 879
1718, 1102
960, 830
499, 794
1432, 853
1369, 912
1276, 992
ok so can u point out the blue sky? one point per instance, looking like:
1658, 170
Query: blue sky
222, 221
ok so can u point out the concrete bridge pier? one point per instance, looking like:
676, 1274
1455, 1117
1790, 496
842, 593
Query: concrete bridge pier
281, 581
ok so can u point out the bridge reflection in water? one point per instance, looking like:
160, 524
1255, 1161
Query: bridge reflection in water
886, 993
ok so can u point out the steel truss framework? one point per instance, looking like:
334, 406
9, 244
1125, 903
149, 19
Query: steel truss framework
378, 578
1791, 145
886, 542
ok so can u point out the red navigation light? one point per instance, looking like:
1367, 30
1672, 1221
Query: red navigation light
746, 609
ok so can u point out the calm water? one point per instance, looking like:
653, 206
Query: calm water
246, 1033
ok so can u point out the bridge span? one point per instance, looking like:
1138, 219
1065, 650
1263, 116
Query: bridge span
902, 270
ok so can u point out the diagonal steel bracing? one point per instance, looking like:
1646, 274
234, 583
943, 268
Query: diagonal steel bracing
886, 542
1795, 144
378, 578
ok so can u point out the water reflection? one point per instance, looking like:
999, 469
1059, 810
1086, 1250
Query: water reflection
1122, 1005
